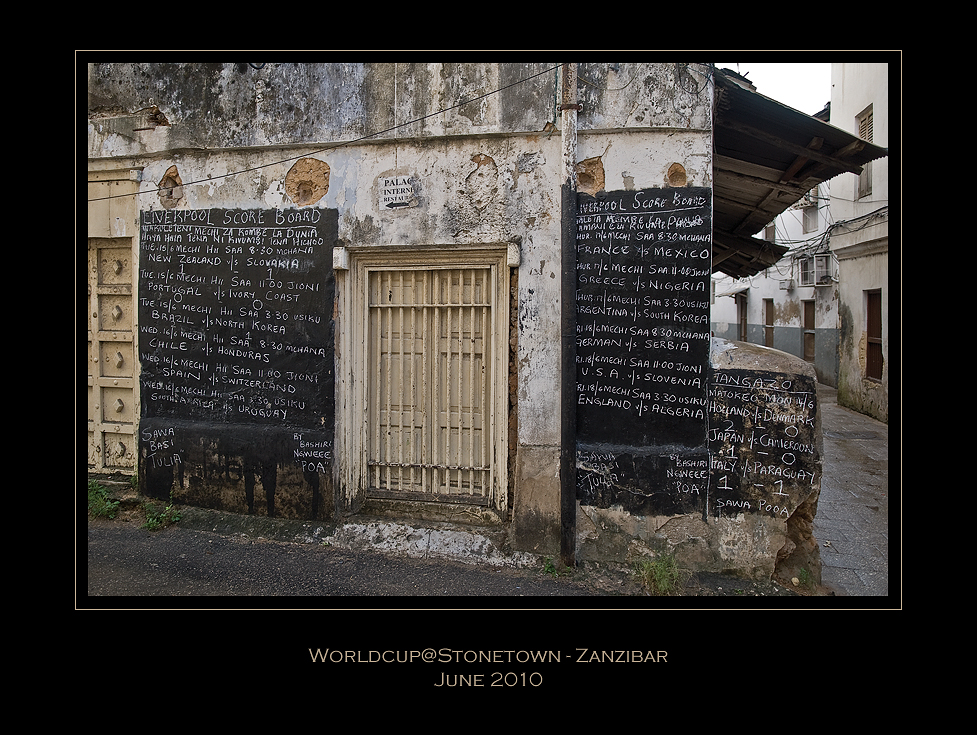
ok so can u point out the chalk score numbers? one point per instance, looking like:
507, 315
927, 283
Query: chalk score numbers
764, 456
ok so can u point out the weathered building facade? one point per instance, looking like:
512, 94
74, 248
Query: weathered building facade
860, 105
453, 292
793, 305
827, 299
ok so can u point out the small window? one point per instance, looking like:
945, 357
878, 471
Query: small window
822, 270
864, 122
811, 218
806, 271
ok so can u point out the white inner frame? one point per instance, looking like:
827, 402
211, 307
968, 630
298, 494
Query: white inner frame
353, 430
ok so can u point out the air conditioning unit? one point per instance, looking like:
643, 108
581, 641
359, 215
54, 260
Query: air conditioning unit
787, 284
816, 270
823, 270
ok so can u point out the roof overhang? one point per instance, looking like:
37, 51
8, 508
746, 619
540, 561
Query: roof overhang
766, 157
734, 292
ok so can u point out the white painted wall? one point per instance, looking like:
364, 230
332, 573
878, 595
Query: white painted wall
862, 246
486, 171
853, 88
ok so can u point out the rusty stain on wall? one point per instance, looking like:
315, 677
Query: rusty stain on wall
590, 175
526, 164
170, 188
482, 182
787, 312
307, 181
154, 118
676, 175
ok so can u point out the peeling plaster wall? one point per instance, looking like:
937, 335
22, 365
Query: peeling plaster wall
225, 106
676, 96
638, 160
865, 271
752, 537
788, 325
485, 172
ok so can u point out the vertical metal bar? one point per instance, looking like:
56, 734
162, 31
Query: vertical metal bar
378, 374
471, 389
568, 317
411, 448
400, 387
450, 348
426, 421
459, 388
375, 368
488, 380
436, 380
458, 381
488, 426
384, 296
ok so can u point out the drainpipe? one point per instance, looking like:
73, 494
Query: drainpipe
568, 318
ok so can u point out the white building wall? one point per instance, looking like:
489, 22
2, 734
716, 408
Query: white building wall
486, 172
782, 285
853, 88
862, 244
853, 228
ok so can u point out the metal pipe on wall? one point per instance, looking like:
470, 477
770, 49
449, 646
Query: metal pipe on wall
568, 317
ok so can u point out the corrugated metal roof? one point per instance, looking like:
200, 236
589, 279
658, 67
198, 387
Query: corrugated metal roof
767, 156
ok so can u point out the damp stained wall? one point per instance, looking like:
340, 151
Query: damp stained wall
779, 285
862, 245
482, 172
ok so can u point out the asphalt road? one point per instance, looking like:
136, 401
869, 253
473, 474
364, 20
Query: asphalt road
126, 561
249, 560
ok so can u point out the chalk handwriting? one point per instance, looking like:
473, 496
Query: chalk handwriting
234, 318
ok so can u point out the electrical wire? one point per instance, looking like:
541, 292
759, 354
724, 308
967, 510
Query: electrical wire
819, 241
817, 244
338, 145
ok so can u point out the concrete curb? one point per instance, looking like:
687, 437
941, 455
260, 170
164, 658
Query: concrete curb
426, 543
375, 535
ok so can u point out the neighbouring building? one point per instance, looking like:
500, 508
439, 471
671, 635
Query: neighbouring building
860, 241
827, 299
476, 293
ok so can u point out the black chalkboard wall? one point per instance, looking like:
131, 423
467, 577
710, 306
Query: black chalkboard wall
236, 353
643, 287
763, 442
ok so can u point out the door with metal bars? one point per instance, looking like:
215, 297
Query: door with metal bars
430, 387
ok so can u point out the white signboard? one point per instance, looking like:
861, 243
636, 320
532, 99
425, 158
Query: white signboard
396, 192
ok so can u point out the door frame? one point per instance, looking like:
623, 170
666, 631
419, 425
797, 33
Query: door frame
113, 227
354, 265
808, 329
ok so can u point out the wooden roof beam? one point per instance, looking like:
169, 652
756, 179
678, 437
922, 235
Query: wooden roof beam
833, 161
799, 162
787, 188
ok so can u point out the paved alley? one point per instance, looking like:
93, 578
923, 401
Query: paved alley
852, 523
